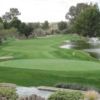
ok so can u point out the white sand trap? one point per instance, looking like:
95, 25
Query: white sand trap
28, 91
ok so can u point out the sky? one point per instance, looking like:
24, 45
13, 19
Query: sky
41, 10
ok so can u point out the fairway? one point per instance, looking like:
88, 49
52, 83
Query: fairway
40, 61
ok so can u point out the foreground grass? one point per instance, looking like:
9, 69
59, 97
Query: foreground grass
33, 77
41, 62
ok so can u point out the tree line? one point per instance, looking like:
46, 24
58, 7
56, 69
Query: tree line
82, 19
11, 25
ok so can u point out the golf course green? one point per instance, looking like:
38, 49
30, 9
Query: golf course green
41, 61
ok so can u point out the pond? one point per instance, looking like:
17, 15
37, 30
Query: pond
91, 45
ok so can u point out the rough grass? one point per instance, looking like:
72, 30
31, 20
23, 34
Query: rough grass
41, 62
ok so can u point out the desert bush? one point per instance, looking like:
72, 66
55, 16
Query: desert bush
1, 26
31, 97
65, 95
6, 33
8, 93
39, 32
91, 95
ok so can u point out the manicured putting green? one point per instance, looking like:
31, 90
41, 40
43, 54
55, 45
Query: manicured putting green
53, 64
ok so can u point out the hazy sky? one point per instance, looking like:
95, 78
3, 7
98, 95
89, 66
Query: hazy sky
40, 10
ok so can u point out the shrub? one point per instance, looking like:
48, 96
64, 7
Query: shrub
65, 95
75, 86
31, 97
39, 32
8, 93
91, 95
5, 33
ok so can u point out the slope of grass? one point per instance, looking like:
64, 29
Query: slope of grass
41, 62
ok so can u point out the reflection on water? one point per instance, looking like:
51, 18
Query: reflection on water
92, 46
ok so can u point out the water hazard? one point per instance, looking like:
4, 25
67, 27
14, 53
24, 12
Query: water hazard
91, 45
